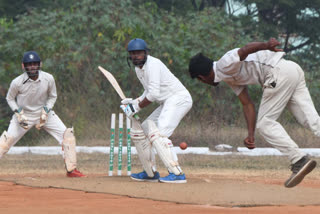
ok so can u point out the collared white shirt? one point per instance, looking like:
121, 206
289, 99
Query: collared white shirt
158, 81
253, 70
32, 95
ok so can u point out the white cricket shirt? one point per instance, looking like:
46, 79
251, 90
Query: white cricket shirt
253, 70
158, 81
32, 95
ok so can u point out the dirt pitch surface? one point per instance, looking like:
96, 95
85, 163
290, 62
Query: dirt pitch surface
34, 190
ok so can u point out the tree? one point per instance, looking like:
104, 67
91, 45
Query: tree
73, 42
296, 22
209, 3
10, 9
183, 7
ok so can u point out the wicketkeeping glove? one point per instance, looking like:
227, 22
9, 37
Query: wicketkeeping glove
22, 119
43, 117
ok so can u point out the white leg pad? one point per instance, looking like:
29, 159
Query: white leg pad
163, 147
143, 147
5, 143
69, 148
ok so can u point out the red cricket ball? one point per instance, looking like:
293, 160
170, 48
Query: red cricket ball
183, 145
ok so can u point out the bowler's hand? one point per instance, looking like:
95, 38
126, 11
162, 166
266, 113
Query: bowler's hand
272, 44
249, 142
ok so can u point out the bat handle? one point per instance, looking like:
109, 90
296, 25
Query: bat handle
136, 117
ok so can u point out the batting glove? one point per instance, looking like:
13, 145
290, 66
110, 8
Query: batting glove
127, 101
130, 110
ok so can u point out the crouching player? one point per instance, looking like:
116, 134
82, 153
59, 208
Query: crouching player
160, 86
31, 96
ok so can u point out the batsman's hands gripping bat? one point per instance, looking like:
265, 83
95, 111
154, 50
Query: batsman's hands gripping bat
131, 110
134, 102
249, 142
130, 106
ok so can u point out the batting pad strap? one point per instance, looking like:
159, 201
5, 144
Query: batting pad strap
137, 134
5, 143
69, 148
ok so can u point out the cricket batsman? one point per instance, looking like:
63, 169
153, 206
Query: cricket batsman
31, 97
174, 100
283, 84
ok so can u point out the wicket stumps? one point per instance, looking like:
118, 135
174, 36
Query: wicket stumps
128, 123
120, 142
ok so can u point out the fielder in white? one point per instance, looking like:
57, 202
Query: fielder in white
283, 85
31, 96
160, 86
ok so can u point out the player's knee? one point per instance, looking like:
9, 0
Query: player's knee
263, 125
151, 130
69, 148
68, 137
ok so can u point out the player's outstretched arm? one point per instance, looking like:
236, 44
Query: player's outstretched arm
258, 46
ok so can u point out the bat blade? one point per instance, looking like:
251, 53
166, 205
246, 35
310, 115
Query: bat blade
113, 82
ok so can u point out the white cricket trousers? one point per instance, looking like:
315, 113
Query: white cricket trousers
290, 91
54, 126
169, 114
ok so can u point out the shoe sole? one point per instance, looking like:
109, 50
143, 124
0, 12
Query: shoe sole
306, 169
76, 176
174, 182
145, 180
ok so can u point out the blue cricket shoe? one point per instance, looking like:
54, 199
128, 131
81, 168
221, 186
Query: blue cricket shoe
175, 179
143, 176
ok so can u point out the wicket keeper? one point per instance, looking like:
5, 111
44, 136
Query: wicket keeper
31, 97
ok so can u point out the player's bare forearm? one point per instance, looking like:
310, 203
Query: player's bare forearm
249, 111
250, 116
258, 46
145, 102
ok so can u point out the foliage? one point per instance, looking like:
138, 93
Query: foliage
181, 7
296, 23
10, 9
73, 42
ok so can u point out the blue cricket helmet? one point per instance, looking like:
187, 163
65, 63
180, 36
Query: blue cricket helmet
30, 56
137, 45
